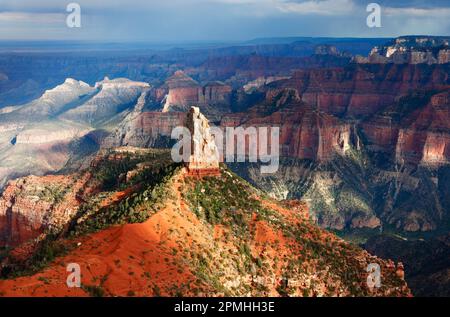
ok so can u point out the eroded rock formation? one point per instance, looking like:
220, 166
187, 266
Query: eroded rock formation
205, 155
411, 50
213, 98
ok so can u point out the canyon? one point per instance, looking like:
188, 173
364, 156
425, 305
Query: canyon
349, 117
335, 125
162, 231
364, 144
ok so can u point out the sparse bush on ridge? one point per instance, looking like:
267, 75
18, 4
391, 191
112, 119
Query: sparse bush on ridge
150, 195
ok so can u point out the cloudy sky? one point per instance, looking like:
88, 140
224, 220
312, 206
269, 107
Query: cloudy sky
217, 20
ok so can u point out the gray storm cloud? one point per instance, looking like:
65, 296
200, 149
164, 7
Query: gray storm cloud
185, 20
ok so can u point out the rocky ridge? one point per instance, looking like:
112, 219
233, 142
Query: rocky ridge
214, 236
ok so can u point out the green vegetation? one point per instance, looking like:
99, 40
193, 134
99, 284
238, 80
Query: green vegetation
51, 193
94, 291
111, 172
47, 251
136, 208
135, 186
226, 200
231, 202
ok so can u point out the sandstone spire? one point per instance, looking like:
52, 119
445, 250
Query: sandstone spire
204, 159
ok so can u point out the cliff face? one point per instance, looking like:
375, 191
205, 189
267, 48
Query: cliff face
112, 98
369, 164
362, 90
54, 101
318, 120
361, 147
184, 92
37, 150
368, 114
239, 69
304, 132
414, 130
146, 129
154, 129
34, 205
317, 112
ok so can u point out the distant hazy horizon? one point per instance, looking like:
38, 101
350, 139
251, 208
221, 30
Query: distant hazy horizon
62, 45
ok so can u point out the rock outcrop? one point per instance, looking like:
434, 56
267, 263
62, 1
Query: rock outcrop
213, 98
45, 134
362, 90
411, 50
154, 129
204, 159
359, 146
418, 134
425, 263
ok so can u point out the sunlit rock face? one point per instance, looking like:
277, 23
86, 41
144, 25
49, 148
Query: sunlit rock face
56, 100
412, 50
112, 98
365, 146
205, 155
361, 90
316, 110
154, 129
444, 56
43, 135
424, 137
